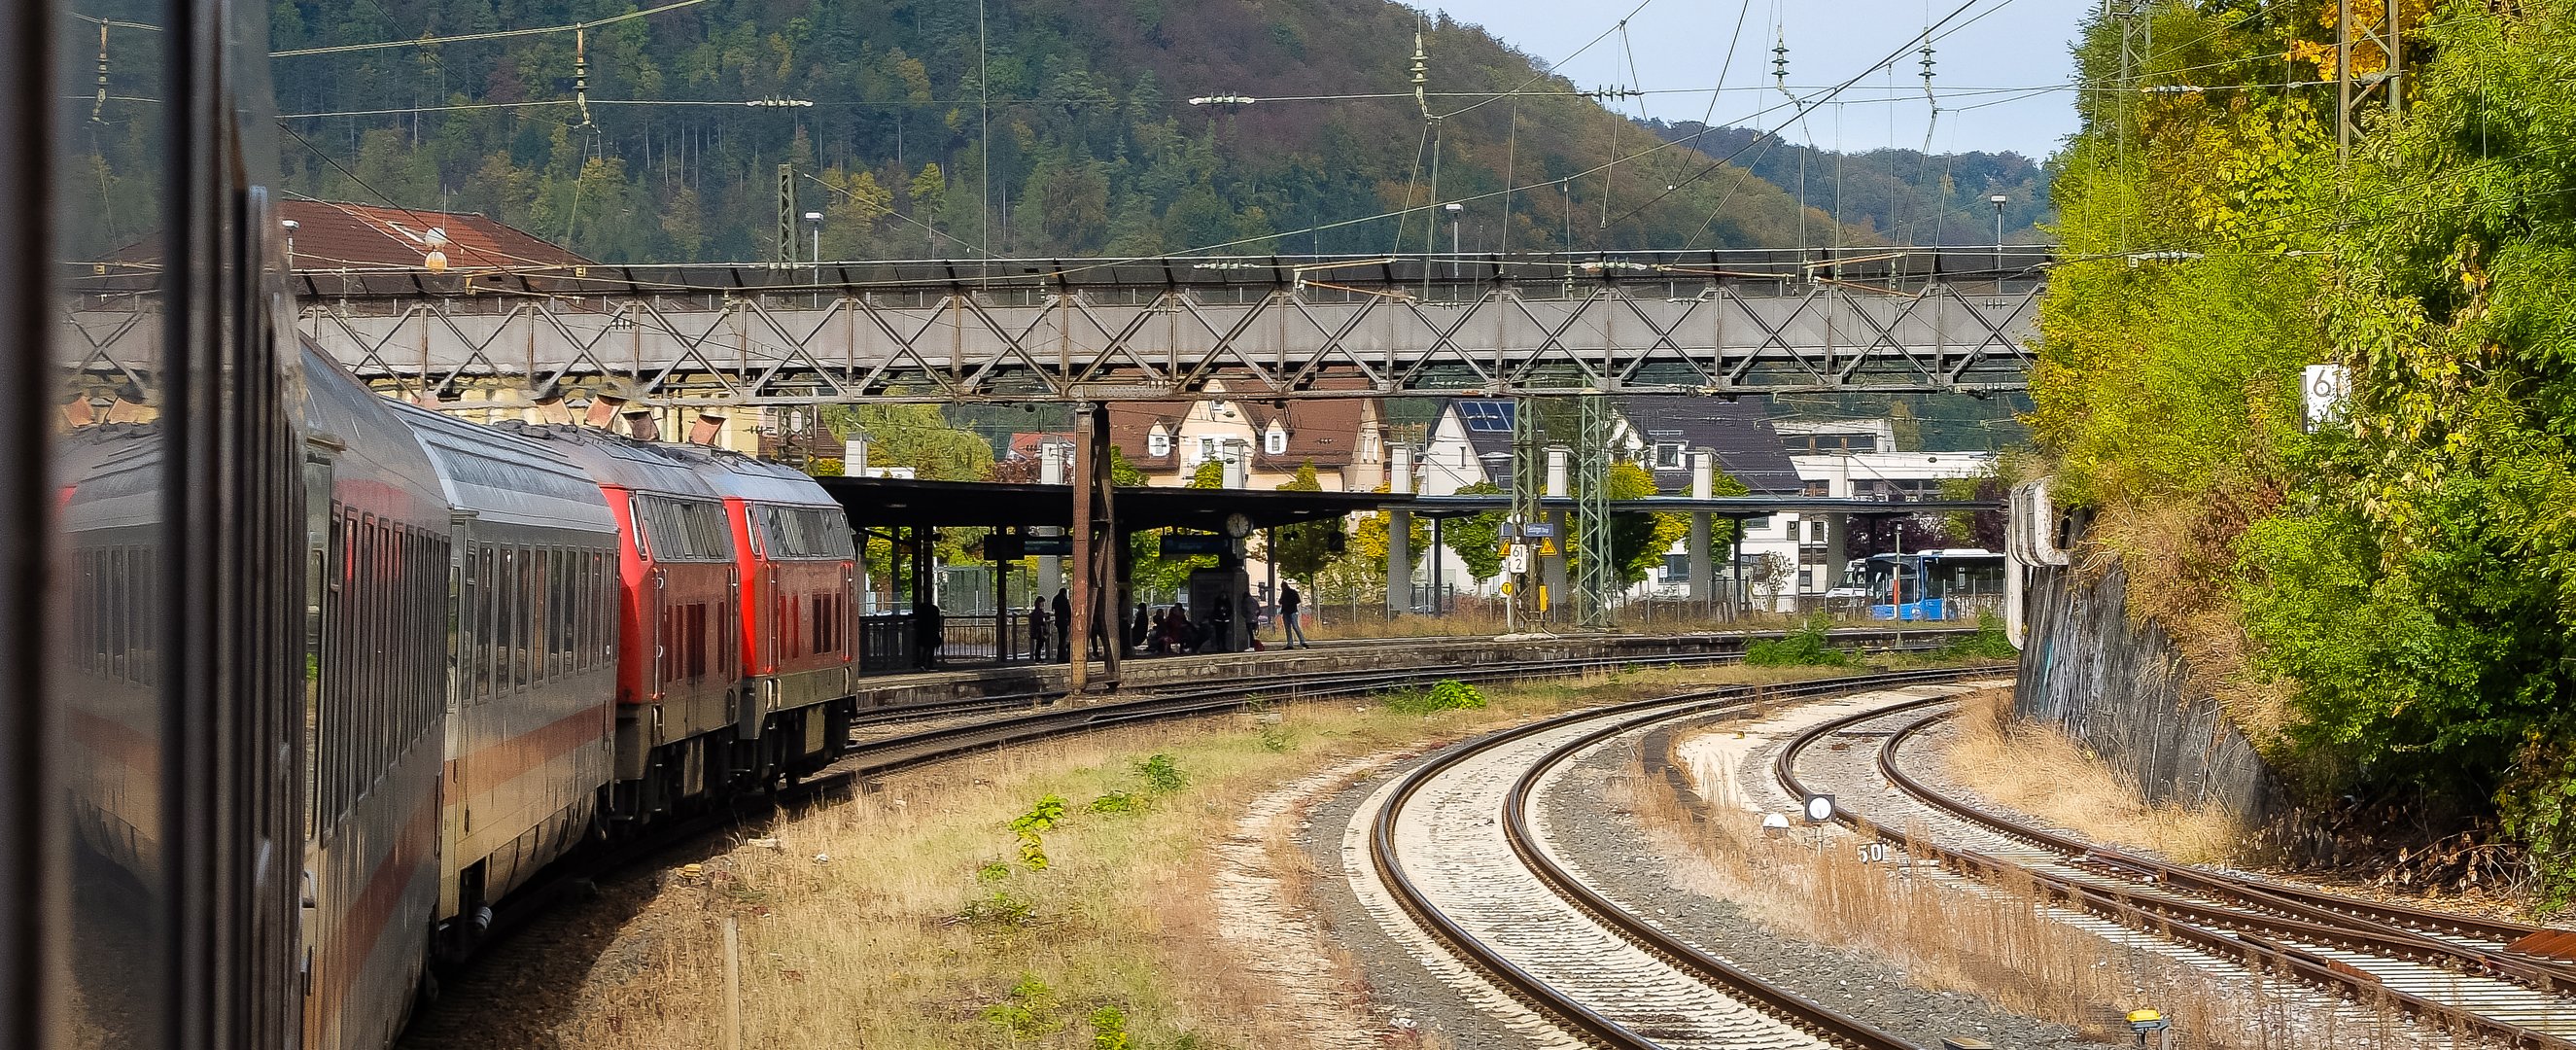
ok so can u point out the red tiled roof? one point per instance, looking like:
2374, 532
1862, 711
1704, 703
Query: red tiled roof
330, 235
1325, 430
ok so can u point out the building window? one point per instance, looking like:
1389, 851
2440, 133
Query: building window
1820, 488
1668, 456
1816, 532
1275, 442
1207, 449
1158, 444
1676, 568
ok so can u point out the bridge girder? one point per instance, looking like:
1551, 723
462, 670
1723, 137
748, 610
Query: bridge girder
717, 338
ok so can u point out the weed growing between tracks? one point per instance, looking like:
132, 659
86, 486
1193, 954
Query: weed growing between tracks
998, 902
2000, 941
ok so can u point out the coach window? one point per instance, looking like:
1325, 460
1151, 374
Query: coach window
550, 610
523, 619
469, 591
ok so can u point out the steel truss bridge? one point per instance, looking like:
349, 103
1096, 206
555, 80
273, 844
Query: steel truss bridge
1086, 330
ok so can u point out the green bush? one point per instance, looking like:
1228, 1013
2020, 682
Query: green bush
1989, 643
1029, 1013
1119, 802
1804, 647
1162, 776
1449, 695
1109, 1029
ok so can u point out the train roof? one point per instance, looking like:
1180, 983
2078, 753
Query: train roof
637, 466
377, 460
504, 478
112, 474
758, 480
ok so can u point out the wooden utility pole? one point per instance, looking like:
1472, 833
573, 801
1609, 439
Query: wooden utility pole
1086, 442
1095, 549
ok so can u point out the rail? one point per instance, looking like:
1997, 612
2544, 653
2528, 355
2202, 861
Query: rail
2193, 925
1782, 1004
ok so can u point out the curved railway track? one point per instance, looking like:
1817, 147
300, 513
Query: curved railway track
2449, 970
1454, 846
967, 727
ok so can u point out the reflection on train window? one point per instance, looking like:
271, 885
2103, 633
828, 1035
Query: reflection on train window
682, 530
806, 532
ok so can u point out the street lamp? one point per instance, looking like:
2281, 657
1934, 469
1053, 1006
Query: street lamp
1999, 200
1457, 215
815, 220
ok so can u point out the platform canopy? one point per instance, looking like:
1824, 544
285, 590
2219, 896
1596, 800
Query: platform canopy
897, 502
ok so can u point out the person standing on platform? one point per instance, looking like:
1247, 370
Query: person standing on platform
1293, 635
1037, 630
1063, 627
1136, 627
930, 632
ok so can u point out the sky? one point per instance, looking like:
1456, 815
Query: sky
1682, 44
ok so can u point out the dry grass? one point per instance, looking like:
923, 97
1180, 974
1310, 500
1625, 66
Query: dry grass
2000, 942
920, 925
2031, 767
2179, 559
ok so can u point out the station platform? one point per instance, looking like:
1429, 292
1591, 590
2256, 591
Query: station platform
1355, 655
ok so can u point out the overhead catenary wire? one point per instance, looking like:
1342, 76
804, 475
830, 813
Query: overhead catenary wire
1813, 101
459, 38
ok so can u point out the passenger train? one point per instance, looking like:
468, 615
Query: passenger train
298, 681
519, 640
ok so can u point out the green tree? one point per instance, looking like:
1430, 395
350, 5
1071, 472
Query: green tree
1477, 539
914, 436
1303, 549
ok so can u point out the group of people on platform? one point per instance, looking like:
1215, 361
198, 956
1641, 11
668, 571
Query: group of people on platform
1172, 632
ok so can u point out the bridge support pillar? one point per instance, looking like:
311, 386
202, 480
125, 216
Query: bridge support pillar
1552, 576
1399, 538
1051, 458
1703, 575
1837, 548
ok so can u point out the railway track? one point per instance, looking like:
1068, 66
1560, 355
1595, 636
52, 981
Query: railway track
1454, 847
883, 746
2447, 970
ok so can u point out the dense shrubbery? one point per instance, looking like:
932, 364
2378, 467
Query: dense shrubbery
2389, 604
1449, 695
1805, 647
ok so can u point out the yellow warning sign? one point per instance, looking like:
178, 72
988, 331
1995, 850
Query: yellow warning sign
1547, 547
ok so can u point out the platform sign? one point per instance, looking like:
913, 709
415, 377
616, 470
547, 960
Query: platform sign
1043, 546
1190, 544
1539, 530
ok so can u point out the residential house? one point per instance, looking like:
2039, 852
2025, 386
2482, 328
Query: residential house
1267, 441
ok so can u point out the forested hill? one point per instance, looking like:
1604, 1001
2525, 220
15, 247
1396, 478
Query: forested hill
1094, 146
1901, 196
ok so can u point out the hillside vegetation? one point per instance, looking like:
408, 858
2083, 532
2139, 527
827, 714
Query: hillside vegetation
2387, 604
1093, 145
1900, 196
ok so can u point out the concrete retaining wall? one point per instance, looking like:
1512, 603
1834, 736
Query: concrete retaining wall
2121, 689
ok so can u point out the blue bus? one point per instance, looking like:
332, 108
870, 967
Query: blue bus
1935, 584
